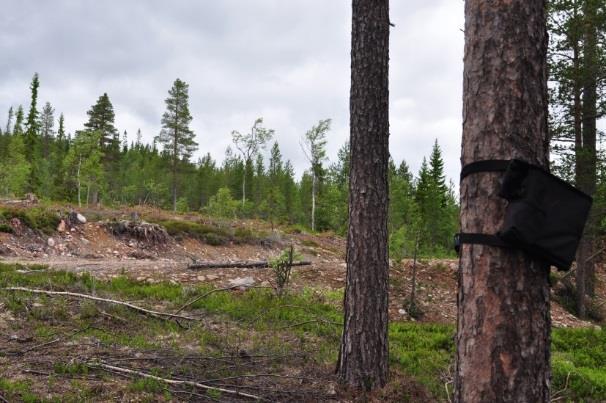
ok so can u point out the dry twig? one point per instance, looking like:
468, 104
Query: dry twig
112, 368
156, 314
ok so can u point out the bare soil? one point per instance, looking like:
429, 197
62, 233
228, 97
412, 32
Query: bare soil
29, 356
90, 248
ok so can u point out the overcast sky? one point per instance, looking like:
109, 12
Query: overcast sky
284, 60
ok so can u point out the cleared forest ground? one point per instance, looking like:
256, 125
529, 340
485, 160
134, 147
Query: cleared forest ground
239, 340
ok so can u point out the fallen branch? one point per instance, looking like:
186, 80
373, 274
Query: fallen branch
317, 320
156, 314
112, 368
58, 339
255, 264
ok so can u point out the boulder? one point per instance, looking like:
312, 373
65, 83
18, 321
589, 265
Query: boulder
243, 282
62, 227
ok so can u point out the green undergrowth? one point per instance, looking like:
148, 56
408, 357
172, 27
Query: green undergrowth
37, 218
579, 363
261, 320
423, 351
211, 234
20, 390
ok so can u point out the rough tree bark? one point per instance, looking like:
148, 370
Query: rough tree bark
503, 327
364, 350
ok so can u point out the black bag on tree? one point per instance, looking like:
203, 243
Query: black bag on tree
545, 216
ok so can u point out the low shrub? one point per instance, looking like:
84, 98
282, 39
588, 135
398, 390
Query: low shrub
36, 218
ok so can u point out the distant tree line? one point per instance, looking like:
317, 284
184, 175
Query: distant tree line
100, 164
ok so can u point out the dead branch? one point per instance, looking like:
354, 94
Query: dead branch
112, 368
555, 397
58, 339
156, 314
317, 320
255, 264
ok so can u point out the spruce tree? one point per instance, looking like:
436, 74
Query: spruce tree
101, 118
9, 121
275, 164
61, 129
176, 136
18, 127
47, 123
436, 172
32, 124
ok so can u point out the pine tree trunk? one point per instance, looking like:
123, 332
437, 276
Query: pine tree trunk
588, 156
503, 328
363, 358
174, 190
244, 187
79, 184
313, 201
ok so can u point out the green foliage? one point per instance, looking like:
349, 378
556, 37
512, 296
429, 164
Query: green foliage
182, 206
14, 169
176, 136
213, 393
37, 218
101, 118
147, 385
249, 145
282, 267
84, 163
75, 368
213, 235
20, 390
579, 364
422, 351
222, 204
95, 167
6, 228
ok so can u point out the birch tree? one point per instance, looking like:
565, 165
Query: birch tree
313, 145
249, 145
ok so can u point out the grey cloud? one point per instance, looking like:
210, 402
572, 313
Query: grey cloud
287, 61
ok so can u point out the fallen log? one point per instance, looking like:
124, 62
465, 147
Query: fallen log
255, 264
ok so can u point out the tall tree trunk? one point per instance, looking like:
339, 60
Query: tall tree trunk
244, 186
175, 158
174, 190
313, 201
578, 169
363, 358
503, 326
79, 184
588, 157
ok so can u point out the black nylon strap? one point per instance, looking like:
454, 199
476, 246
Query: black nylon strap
481, 239
484, 166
